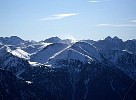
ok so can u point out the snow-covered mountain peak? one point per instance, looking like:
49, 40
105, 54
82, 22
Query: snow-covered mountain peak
5, 49
16, 52
58, 40
109, 44
11, 60
68, 71
69, 54
82, 43
44, 54
20, 53
87, 49
13, 40
53, 40
114, 39
88, 41
108, 38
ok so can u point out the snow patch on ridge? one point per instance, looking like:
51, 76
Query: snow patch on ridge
20, 53
69, 54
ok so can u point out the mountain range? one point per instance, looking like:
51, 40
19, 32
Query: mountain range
57, 69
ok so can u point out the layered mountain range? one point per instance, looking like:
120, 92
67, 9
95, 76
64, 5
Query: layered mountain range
56, 69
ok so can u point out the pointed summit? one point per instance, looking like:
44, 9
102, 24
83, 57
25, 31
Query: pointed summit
108, 38
115, 37
53, 40
13, 40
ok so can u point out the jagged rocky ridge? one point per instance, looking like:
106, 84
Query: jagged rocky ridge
56, 69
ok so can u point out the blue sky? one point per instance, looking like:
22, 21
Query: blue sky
80, 19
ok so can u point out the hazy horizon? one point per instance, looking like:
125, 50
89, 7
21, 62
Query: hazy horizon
72, 38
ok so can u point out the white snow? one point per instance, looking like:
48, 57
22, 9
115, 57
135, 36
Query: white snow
29, 82
20, 53
87, 49
43, 55
127, 51
69, 54
34, 63
34, 47
17, 52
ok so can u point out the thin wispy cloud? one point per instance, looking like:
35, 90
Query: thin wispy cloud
59, 16
133, 21
98, 1
115, 25
94, 1
106, 0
